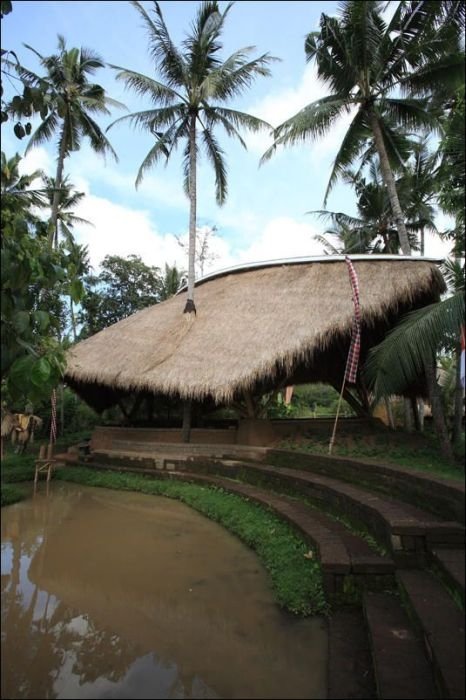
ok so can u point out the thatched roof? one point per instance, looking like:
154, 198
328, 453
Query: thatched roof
283, 321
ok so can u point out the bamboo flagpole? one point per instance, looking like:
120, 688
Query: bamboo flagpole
352, 361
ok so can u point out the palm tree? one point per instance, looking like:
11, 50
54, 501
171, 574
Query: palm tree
191, 102
374, 229
74, 101
418, 189
16, 188
367, 63
79, 266
68, 199
170, 282
410, 349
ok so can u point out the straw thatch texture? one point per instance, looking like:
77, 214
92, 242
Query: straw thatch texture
290, 322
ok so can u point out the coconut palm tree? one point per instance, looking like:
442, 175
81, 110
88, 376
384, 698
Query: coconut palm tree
410, 349
382, 73
170, 282
374, 229
79, 266
191, 96
68, 200
16, 188
69, 115
418, 190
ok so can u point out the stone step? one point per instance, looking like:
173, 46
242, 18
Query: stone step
401, 668
441, 625
450, 564
341, 553
441, 495
405, 530
350, 671
189, 449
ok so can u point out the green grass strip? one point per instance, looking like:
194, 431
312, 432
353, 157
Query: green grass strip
296, 580
11, 494
17, 468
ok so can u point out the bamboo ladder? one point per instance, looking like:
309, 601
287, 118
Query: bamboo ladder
45, 463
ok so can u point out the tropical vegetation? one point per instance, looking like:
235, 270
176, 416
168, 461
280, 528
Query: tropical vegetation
192, 102
398, 75
383, 73
69, 112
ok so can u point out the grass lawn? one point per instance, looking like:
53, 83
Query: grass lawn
412, 451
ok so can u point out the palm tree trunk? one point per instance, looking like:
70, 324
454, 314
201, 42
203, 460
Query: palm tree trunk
458, 415
438, 413
417, 419
389, 410
53, 235
190, 306
389, 181
73, 320
62, 409
408, 415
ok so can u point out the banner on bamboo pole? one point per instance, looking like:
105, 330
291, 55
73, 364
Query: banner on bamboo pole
352, 361
355, 347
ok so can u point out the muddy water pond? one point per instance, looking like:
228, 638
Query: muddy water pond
111, 594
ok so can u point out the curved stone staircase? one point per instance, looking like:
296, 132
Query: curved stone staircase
390, 538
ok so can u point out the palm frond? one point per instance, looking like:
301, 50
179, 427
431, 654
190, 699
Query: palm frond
91, 129
168, 60
311, 122
154, 120
400, 359
44, 132
235, 75
351, 146
159, 93
330, 49
163, 147
447, 72
214, 116
410, 113
216, 157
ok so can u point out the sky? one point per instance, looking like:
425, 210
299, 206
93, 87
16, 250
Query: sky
266, 214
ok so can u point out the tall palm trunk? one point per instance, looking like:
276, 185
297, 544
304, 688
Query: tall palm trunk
438, 414
53, 235
389, 181
459, 401
190, 306
73, 320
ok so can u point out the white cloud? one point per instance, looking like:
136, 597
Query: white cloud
119, 230
282, 237
277, 108
36, 159
154, 188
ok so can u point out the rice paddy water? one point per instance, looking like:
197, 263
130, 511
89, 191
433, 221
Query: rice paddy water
111, 594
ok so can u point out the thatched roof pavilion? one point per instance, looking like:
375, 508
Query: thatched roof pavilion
257, 327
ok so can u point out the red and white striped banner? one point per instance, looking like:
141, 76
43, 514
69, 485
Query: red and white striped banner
355, 347
53, 419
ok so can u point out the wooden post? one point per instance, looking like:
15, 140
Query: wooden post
249, 405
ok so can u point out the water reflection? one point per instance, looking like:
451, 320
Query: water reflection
118, 595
